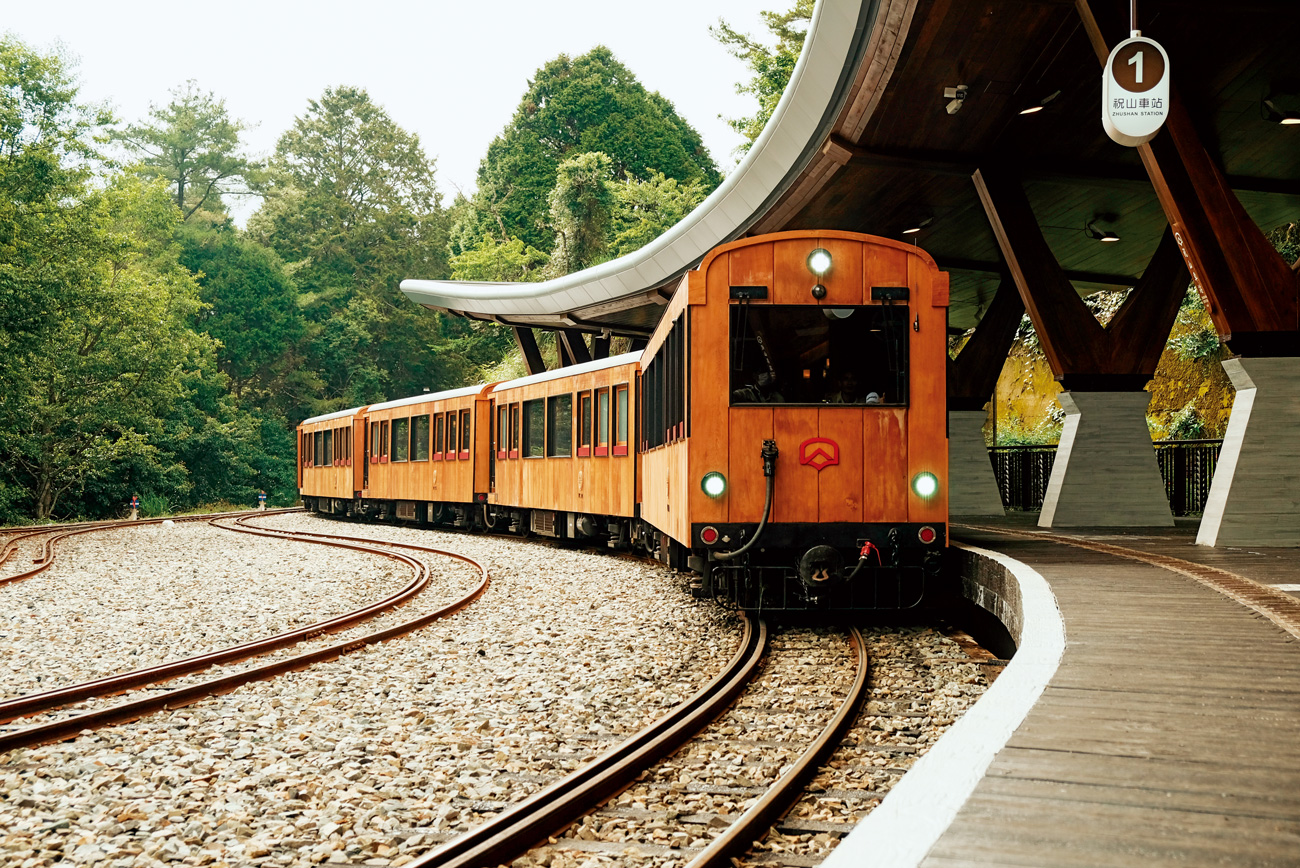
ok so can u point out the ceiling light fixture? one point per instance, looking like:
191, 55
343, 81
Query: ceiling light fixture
1098, 234
956, 96
1270, 112
1041, 104
912, 230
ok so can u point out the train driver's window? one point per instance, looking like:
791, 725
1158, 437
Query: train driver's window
502, 431
602, 422
620, 420
514, 430
534, 428
806, 354
464, 433
585, 417
451, 436
383, 441
559, 426
420, 439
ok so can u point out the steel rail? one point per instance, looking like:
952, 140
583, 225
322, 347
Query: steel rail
24, 706
511, 834
46, 559
190, 694
764, 813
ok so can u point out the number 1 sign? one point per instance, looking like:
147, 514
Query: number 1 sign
1135, 91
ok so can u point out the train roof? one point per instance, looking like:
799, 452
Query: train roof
571, 370
337, 414
430, 396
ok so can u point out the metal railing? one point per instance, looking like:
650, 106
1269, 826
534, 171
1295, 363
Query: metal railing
1187, 467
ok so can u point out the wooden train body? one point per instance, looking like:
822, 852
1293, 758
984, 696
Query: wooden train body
783, 433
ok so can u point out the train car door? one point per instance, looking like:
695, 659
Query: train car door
493, 435
365, 472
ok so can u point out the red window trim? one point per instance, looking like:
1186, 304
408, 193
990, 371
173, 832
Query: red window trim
602, 450
514, 453
620, 450
383, 459
464, 455
584, 451
501, 454
437, 456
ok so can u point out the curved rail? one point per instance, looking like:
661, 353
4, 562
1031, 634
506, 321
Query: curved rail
760, 817
55, 730
501, 840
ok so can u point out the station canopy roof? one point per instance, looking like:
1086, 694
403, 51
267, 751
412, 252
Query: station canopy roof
863, 140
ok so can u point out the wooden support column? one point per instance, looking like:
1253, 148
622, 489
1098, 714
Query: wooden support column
1252, 295
600, 347
973, 375
575, 345
527, 345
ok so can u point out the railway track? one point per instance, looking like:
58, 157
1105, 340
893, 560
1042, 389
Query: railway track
65, 698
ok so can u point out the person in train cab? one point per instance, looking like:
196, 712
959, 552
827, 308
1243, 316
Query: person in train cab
849, 391
762, 391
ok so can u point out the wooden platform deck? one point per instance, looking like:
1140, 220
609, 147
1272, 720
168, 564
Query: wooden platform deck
1170, 734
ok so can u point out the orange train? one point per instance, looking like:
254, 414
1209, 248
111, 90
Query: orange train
783, 434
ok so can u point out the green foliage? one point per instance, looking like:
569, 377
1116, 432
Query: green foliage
1197, 338
582, 204
1187, 424
644, 210
193, 145
771, 66
574, 106
493, 261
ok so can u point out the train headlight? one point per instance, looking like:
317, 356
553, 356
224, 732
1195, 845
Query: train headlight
925, 484
819, 261
714, 484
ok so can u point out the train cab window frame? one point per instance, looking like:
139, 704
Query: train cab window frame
559, 426
383, 441
533, 422
515, 422
438, 426
586, 419
420, 438
466, 433
502, 430
450, 453
806, 355
400, 448
619, 425
602, 421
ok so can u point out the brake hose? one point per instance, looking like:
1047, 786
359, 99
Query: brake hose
769, 454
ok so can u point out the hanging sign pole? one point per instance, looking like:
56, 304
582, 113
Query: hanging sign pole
1135, 88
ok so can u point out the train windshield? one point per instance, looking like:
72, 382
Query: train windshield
800, 354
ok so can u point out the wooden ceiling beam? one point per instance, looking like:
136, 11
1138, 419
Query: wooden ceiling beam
574, 345
527, 344
949, 263
1101, 174
1138, 331
973, 375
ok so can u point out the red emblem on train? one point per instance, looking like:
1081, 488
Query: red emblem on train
819, 452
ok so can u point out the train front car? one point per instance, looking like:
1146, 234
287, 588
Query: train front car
794, 431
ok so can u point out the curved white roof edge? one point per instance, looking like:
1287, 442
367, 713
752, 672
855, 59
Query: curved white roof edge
822, 77
337, 414
430, 396
569, 371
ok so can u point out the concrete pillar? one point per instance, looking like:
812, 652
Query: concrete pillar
1255, 496
972, 485
1105, 472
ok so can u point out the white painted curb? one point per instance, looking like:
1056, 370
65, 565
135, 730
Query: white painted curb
900, 832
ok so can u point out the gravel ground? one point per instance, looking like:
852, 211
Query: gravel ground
127, 599
375, 757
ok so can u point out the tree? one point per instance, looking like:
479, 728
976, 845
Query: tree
491, 261
250, 307
574, 106
193, 145
771, 66
581, 203
644, 210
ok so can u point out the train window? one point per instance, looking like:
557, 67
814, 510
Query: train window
374, 439
329, 446
451, 436
559, 426
438, 423
534, 428
620, 420
585, 419
420, 439
602, 422
464, 433
383, 441
801, 354
318, 448
503, 431
514, 430
401, 439
305, 449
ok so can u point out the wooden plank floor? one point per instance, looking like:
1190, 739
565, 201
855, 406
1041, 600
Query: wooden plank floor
1170, 734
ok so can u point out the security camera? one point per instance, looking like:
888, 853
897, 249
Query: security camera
956, 96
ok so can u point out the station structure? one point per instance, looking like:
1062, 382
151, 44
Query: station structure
973, 128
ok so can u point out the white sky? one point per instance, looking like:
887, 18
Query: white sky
451, 72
